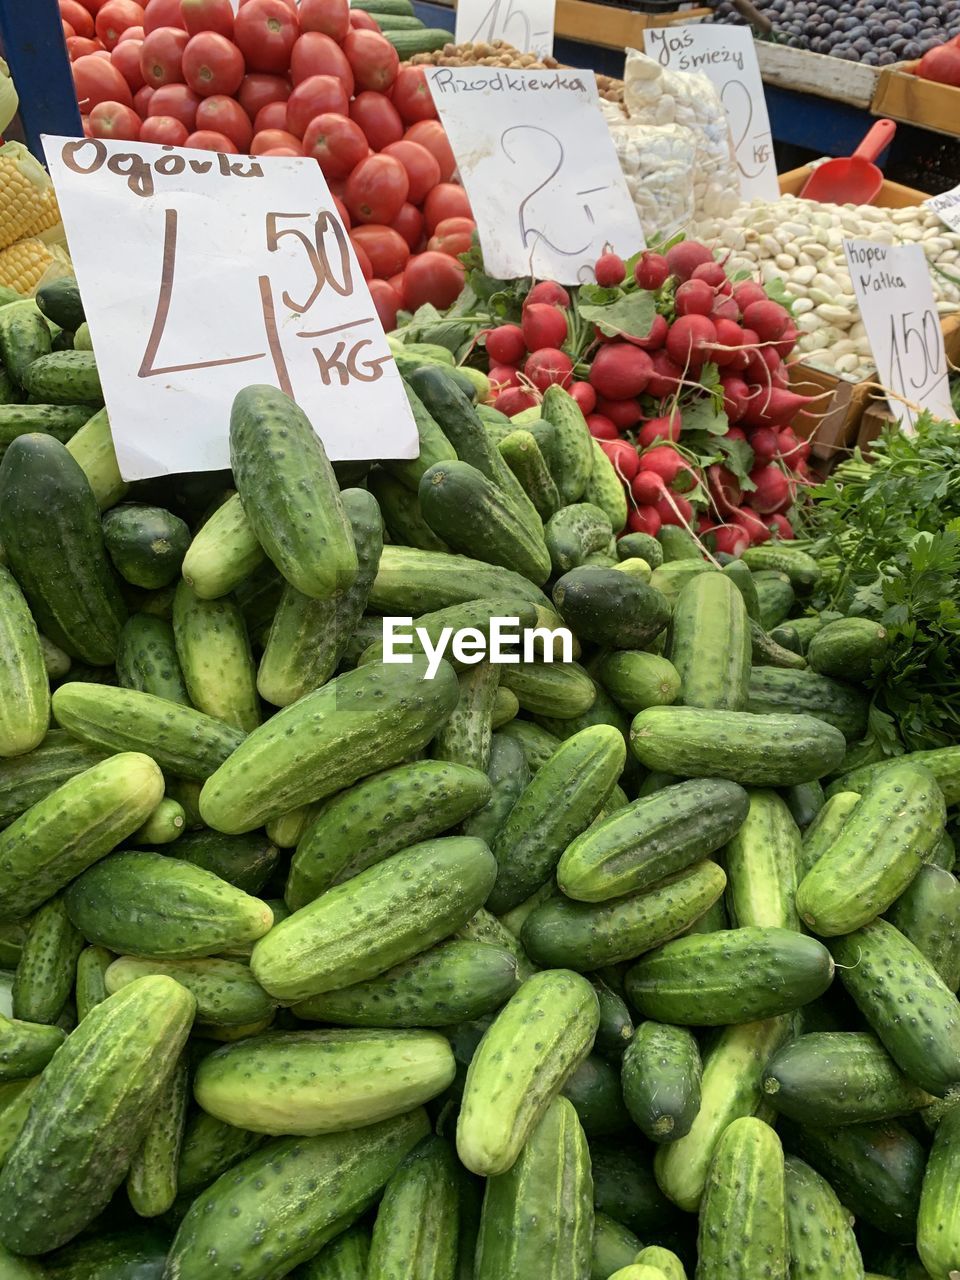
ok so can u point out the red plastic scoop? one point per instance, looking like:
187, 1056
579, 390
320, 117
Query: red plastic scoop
852, 179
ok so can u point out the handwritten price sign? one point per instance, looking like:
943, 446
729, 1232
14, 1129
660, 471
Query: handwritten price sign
727, 56
892, 286
947, 208
526, 24
539, 166
203, 273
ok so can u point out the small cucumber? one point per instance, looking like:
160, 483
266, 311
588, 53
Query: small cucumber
661, 1080
823, 831
710, 644
523, 457
573, 532
943, 763
402, 514
216, 659
209, 1148
663, 1260
637, 680
802, 569
147, 659
746, 584
223, 552
605, 489
506, 706
508, 774
640, 546
246, 861
743, 1225
434, 445
761, 861
415, 1230
152, 1178
537, 744
166, 824
146, 544
773, 689
561, 689
765, 652
938, 1228
614, 1246
24, 683
465, 738
573, 445
848, 648
91, 988
928, 913
344, 1258
820, 1235
24, 338
615, 609
26, 1048
47, 967
92, 448
775, 598
226, 993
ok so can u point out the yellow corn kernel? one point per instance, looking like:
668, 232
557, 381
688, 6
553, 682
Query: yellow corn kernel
28, 204
24, 264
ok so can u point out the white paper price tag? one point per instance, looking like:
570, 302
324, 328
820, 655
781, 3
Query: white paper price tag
526, 24
727, 56
892, 285
539, 166
204, 273
947, 208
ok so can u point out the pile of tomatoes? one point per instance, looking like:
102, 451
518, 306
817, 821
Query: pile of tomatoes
280, 79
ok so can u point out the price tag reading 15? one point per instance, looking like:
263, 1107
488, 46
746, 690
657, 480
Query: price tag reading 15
203, 273
526, 24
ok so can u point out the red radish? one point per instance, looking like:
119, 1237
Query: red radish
647, 487
756, 530
736, 396
690, 340
624, 458
729, 539
655, 338
694, 298
666, 428
736, 433
725, 308
673, 509
620, 370
768, 320
785, 344
548, 291
548, 367
728, 335
714, 275
644, 520
505, 344
601, 427
610, 270
514, 400
749, 291
622, 413
770, 407
773, 488
705, 524
503, 375
664, 460
724, 489
584, 395
685, 257
652, 270
741, 358
666, 375
543, 325
765, 443
790, 448
781, 527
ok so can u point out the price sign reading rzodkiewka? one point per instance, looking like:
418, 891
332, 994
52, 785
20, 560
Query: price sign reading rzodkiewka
525, 24
539, 166
203, 273
892, 285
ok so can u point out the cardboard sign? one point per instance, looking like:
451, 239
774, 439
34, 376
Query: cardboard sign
892, 285
947, 208
526, 24
727, 56
539, 166
204, 273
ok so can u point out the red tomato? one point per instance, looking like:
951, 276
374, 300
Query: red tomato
431, 134
164, 130
316, 54
387, 250
265, 32
387, 301
373, 59
161, 56
85, 126
114, 18
141, 101
73, 13
281, 151
207, 15
68, 31
257, 90
114, 120
331, 17
212, 64
225, 115
342, 212
450, 226
396, 282
446, 200
376, 189
453, 243
315, 96
336, 143
432, 277
366, 267
209, 140
411, 95
94, 5
361, 21
161, 13
423, 172
178, 101
98, 80
80, 47
132, 33
101, 52
126, 58
272, 116
409, 222
378, 118
267, 139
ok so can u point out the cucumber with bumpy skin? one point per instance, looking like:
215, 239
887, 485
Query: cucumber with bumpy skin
146, 544
47, 966
223, 552
612, 608
465, 738
802, 570
928, 913
91, 985
523, 456
24, 684
415, 1231
743, 1226
92, 447
573, 444
819, 1232
152, 1179
774, 689
637, 680
614, 1246
344, 1258
761, 862
26, 1047
561, 689
208, 1149
147, 659
508, 775
574, 532
710, 644
216, 658
848, 648
823, 831
938, 1232
661, 1080
226, 992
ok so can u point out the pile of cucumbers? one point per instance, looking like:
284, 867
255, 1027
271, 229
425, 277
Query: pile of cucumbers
637, 965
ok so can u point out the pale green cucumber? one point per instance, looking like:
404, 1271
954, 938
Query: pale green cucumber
223, 552
761, 862
215, 658
152, 1179
415, 1231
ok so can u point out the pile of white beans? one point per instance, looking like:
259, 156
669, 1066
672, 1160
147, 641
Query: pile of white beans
801, 242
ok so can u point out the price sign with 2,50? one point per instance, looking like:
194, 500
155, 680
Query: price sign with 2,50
203, 273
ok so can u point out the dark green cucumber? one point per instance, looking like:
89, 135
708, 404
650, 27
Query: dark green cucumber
943, 763
640, 546
624, 1188
380, 816
28, 778
344, 1258
614, 1246
47, 966
878, 851
152, 1179
434, 445
765, 652
733, 976
594, 1089
131, 1254
64, 377
209, 1148
561, 689
508, 775
147, 659
90, 1114
820, 1235
761, 750
848, 648
465, 738
62, 421
761, 862
773, 689
216, 659
616, 1022
26, 1048
226, 993
289, 492
945, 854
537, 744
415, 1230
146, 544
928, 913
525, 460
938, 1234
24, 684
223, 553
637, 846
413, 582
305, 1191
60, 301
586, 936
538, 1216
246, 861
384, 915
775, 599
575, 532
805, 800
710, 644
661, 1080
743, 1226
24, 337
483, 926
91, 985
50, 530
402, 514
573, 444
612, 608
360, 722
802, 570
881, 969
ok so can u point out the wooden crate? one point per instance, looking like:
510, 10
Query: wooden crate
906, 97
611, 27
806, 72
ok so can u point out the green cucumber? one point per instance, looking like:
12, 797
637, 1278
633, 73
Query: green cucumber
414, 582
804, 801
928, 913
63, 377
611, 608
402, 514
743, 1227
677, 544
147, 659
561, 689
662, 1260
435, 628
152, 1179
616, 1028
878, 851
246, 861
802, 570
164, 825
92, 448
289, 492
91, 984
938, 1234
24, 337
604, 489
523, 456
91, 1112
506, 707
50, 530
637, 846
415, 1231
304, 1191
614, 1246
538, 1216
117, 1255
945, 854
537, 744
641, 546
286, 830
765, 652
209, 1148
761, 862
360, 722
637, 680
434, 445
146, 544
774, 689
594, 1089
775, 599
485, 927
574, 532
24, 684
500, 1111
333, 1080
215, 658
26, 1047
48, 963
465, 738
761, 750
820, 1236
73, 827
848, 648
661, 1081
226, 992
943, 763
384, 915
60, 301
670, 578
344, 1258
508, 775
819, 837
586, 936
223, 552
378, 817
746, 584
710, 644
56, 662
15, 1099
573, 444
